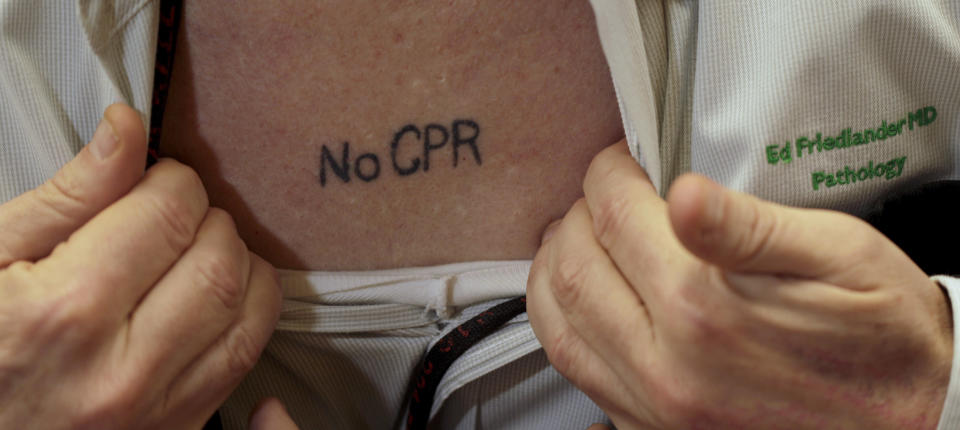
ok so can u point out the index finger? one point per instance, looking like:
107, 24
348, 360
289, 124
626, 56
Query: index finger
630, 220
120, 253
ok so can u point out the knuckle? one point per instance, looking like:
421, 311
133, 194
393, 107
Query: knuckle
72, 318
602, 164
870, 244
538, 270
20, 274
561, 351
696, 325
243, 351
222, 218
680, 407
63, 194
611, 216
225, 229
34, 318
122, 395
759, 236
705, 329
180, 173
190, 179
570, 277
220, 275
174, 219
115, 402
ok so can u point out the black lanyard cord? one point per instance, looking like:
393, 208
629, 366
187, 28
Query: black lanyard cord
167, 31
426, 379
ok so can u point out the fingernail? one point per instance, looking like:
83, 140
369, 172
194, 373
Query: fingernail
549, 231
105, 141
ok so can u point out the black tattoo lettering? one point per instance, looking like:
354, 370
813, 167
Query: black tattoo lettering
459, 139
463, 132
342, 170
376, 167
415, 164
430, 145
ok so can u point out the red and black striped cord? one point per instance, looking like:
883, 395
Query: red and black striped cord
163, 71
167, 31
442, 355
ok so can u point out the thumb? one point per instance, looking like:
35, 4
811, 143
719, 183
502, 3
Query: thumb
106, 169
745, 234
271, 415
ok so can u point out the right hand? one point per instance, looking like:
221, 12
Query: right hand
715, 309
125, 300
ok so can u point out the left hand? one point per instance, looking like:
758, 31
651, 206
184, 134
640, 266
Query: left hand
716, 310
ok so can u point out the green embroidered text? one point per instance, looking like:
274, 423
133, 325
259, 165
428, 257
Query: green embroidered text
890, 170
805, 146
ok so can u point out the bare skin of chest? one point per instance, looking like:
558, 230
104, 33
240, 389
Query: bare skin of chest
349, 135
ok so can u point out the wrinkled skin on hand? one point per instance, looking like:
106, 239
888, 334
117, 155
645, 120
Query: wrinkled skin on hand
125, 300
716, 310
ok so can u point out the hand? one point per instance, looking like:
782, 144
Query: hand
715, 310
125, 301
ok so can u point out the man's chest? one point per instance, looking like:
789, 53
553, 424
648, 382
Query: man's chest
346, 135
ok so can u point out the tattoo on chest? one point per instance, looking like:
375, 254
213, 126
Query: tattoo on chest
413, 149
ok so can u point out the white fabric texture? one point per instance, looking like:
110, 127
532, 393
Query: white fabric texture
346, 344
61, 64
768, 73
623, 43
441, 289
